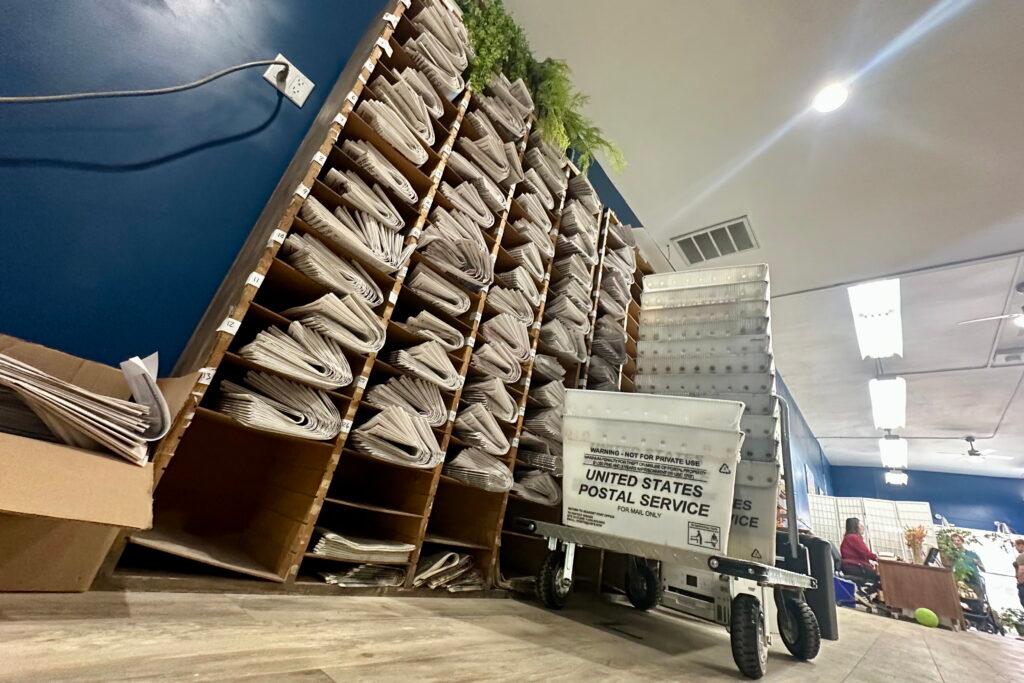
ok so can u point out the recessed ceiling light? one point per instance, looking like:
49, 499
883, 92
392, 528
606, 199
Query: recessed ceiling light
893, 451
896, 478
1019, 321
876, 318
830, 98
889, 402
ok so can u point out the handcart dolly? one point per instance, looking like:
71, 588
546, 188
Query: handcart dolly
745, 618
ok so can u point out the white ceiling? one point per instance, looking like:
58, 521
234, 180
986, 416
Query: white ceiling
920, 170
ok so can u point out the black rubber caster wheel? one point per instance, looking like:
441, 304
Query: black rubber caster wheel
798, 627
552, 590
643, 585
747, 636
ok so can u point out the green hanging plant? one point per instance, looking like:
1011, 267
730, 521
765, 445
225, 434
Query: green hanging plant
500, 45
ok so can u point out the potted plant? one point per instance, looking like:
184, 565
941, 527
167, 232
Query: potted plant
914, 536
1013, 617
952, 556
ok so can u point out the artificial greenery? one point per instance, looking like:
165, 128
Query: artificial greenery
499, 45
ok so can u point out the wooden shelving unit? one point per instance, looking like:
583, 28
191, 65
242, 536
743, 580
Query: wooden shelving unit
242, 502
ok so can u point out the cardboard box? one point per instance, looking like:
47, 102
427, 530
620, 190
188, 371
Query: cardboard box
62, 507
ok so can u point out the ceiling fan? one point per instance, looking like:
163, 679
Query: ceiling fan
975, 454
1016, 318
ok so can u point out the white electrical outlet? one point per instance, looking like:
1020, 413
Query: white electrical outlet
295, 86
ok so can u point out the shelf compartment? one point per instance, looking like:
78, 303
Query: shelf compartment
237, 498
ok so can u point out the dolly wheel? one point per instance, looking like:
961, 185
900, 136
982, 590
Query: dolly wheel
799, 628
643, 586
552, 590
747, 636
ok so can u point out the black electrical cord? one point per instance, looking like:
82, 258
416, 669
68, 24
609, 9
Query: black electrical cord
32, 99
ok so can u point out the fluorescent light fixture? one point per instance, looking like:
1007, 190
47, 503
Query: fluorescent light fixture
896, 478
889, 402
893, 451
1019, 321
877, 319
830, 98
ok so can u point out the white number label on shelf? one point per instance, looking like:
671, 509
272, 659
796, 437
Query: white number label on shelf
462, 382
393, 296
533, 353
206, 375
515, 442
414, 233
276, 237
302, 190
384, 45
407, 3
255, 279
477, 316
402, 273
451, 415
436, 174
346, 426
470, 342
320, 158
352, 97
230, 325
391, 19
526, 384
369, 65
361, 382
535, 325
522, 411
340, 119
447, 149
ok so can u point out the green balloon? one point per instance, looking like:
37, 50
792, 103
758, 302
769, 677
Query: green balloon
926, 617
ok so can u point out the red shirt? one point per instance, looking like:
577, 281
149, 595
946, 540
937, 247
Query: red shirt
855, 551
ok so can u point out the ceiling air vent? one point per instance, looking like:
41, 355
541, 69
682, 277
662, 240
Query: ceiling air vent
721, 239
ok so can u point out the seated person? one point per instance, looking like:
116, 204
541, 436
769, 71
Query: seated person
858, 560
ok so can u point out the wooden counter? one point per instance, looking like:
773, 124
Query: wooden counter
910, 586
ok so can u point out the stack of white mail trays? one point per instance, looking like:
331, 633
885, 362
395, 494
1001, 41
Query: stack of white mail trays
707, 333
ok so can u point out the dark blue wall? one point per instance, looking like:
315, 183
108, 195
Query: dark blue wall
121, 217
965, 500
610, 195
807, 456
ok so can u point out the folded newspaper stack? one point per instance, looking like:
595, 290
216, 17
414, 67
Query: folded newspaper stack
347, 320
547, 367
475, 425
428, 326
436, 289
79, 417
367, 157
391, 126
427, 361
396, 436
511, 332
357, 232
467, 200
353, 189
414, 395
609, 340
357, 549
366, 576
309, 256
440, 569
476, 468
407, 103
275, 404
491, 392
538, 487
494, 359
301, 354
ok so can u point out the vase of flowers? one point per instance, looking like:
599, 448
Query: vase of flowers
914, 535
